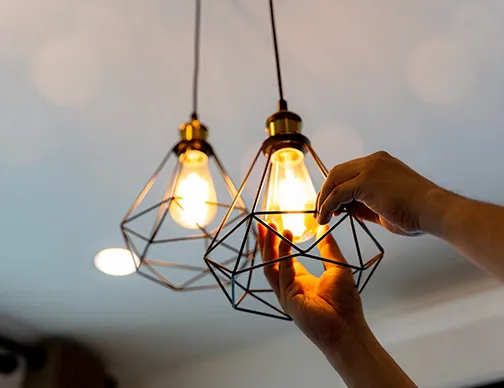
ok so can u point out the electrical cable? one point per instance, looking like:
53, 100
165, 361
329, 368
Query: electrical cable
282, 104
197, 32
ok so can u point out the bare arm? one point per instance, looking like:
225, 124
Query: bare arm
363, 363
474, 228
384, 190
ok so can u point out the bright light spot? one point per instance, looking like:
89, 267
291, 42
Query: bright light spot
116, 261
442, 71
195, 196
193, 203
286, 189
67, 71
290, 188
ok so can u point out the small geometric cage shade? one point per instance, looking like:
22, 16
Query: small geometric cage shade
250, 291
176, 216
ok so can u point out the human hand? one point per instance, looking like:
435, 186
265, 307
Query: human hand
377, 188
327, 308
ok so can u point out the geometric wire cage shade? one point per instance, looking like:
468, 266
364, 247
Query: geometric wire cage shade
167, 253
250, 291
179, 211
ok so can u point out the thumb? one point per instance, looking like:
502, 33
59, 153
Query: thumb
328, 247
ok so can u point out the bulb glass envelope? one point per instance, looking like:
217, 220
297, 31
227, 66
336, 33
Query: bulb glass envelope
250, 291
167, 240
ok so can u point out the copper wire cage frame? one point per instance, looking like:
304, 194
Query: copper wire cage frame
241, 272
162, 208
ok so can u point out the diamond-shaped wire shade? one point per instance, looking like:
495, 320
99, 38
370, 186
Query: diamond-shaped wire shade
167, 250
250, 291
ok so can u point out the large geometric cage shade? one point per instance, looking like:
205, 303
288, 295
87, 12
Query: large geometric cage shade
249, 291
167, 253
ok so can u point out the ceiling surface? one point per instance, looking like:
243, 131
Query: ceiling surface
91, 97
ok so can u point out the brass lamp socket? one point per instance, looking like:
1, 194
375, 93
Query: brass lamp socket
284, 129
193, 135
193, 130
283, 122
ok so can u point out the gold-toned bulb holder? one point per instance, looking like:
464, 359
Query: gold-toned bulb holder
283, 122
193, 136
284, 129
193, 130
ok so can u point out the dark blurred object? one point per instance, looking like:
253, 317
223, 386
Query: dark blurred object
56, 363
35, 357
111, 383
69, 364
499, 384
8, 364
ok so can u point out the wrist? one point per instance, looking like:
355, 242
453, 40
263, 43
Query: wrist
363, 363
434, 210
349, 350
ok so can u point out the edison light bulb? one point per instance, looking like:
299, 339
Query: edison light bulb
195, 199
290, 188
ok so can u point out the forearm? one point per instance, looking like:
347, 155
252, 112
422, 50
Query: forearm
474, 228
363, 363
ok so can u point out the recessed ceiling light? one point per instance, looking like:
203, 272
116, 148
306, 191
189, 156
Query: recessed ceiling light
116, 262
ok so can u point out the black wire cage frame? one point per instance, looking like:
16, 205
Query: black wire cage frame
240, 273
163, 207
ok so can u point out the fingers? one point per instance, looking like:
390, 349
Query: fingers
268, 242
338, 175
270, 246
279, 275
339, 196
362, 212
329, 248
261, 234
286, 267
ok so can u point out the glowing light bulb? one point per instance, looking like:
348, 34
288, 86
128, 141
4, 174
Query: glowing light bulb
195, 197
290, 188
116, 262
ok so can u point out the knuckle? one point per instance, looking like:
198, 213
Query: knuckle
377, 161
381, 155
332, 173
332, 199
357, 192
332, 170
371, 168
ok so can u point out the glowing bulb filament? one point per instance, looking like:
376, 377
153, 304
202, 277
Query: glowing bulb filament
292, 197
195, 199
290, 189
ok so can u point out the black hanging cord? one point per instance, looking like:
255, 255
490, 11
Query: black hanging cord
282, 104
197, 29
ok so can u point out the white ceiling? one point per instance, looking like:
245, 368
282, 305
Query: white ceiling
92, 93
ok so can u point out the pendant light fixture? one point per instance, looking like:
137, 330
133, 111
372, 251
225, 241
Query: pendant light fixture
179, 209
286, 197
